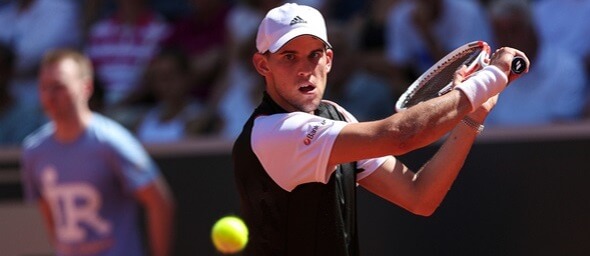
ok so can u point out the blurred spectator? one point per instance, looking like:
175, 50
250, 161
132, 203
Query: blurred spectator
372, 40
553, 89
90, 178
368, 96
345, 10
175, 114
202, 36
172, 10
322, 5
241, 86
421, 32
565, 23
92, 11
367, 69
121, 46
31, 27
17, 119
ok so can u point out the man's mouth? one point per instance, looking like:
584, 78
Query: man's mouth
306, 88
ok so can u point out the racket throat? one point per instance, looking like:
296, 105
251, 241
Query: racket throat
445, 90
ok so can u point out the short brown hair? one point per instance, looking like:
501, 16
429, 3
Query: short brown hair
56, 55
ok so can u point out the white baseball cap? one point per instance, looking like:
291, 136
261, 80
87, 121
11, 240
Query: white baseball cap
286, 22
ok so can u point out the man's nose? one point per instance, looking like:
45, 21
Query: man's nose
306, 68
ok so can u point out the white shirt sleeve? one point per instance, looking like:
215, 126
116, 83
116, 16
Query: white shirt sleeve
367, 166
294, 148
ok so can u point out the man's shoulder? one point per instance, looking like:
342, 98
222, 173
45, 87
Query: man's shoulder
348, 117
109, 136
107, 129
278, 120
38, 137
332, 103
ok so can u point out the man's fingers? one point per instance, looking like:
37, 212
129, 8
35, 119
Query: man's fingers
460, 74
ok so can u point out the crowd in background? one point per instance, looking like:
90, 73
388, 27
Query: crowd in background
169, 70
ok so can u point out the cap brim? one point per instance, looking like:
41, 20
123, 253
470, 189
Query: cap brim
293, 34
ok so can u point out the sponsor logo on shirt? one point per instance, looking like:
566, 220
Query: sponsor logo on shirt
76, 207
314, 129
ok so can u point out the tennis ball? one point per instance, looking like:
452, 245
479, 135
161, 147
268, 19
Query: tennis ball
229, 234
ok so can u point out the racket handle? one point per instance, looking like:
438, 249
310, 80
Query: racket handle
518, 65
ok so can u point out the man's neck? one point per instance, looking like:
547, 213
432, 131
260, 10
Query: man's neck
71, 129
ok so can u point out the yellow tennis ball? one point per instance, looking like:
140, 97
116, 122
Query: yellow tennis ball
229, 234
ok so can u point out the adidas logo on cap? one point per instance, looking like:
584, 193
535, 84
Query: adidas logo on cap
297, 20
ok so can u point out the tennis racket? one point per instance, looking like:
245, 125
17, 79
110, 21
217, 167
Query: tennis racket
438, 79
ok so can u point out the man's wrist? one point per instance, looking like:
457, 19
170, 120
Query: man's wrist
474, 125
485, 84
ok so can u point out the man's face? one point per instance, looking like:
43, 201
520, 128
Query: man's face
61, 89
296, 74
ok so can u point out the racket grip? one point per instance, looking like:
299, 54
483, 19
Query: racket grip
518, 65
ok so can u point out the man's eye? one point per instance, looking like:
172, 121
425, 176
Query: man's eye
290, 56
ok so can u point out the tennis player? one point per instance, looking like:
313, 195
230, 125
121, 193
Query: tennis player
299, 158
88, 175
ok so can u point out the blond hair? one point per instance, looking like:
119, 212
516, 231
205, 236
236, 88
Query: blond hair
84, 64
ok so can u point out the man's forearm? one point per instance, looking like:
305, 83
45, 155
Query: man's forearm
161, 230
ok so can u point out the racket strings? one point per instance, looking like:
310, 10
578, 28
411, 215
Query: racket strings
432, 84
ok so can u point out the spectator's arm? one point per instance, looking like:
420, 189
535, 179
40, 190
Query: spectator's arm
159, 206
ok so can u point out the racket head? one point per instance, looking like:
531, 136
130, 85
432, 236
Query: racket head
437, 80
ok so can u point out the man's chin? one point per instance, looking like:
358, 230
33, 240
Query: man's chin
311, 107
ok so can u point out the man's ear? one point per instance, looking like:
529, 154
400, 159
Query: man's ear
260, 63
329, 58
88, 88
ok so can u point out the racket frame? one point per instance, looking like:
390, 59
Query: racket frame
478, 62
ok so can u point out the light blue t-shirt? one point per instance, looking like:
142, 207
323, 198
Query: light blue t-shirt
89, 185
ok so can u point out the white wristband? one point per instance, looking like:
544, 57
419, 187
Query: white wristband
483, 85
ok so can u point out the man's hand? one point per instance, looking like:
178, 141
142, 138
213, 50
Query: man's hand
491, 80
502, 58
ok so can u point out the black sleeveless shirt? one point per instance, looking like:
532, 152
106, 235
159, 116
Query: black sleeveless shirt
313, 219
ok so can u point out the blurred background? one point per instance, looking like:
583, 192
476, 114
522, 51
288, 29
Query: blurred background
178, 74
